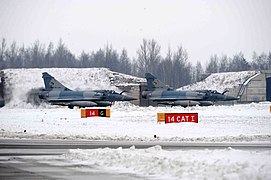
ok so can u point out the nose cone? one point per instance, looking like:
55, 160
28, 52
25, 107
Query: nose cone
128, 98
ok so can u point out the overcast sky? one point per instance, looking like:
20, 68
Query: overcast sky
203, 28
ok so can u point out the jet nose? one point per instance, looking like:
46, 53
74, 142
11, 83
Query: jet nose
128, 98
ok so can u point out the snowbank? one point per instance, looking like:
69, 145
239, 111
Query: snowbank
156, 163
21, 83
220, 81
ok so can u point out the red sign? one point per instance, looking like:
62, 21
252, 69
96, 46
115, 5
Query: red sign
181, 117
92, 112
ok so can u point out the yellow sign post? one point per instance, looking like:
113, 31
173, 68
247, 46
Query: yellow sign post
160, 117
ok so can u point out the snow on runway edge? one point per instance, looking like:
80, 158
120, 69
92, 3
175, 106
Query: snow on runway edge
156, 163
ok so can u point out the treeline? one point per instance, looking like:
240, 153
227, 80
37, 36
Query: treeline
39, 56
238, 63
173, 69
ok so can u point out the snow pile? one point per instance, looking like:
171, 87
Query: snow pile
249, 122
157, 163
22, 82
220, 81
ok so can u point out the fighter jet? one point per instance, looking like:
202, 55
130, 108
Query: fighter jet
57, 94
158, 92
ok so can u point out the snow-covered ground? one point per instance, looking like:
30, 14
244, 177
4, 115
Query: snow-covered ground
250, 122
220, 81
156, 163
237, 123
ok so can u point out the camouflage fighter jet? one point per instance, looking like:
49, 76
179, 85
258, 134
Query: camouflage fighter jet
57, 94
158, 92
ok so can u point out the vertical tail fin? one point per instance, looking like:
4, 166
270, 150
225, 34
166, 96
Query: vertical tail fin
52, 84
154, 83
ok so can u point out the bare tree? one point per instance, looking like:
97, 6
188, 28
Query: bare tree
259, 62
223, 64
2, 53
49, 56
148, 57
238, 63
84, 60
181, 68
199, 71
269, 60
212, 66
125, 64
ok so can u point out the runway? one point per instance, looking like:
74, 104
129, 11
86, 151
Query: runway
37, 159
41, 144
